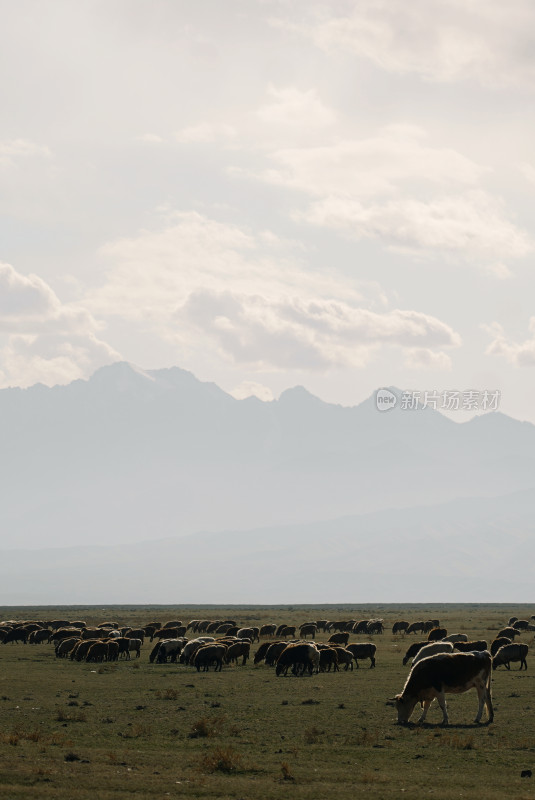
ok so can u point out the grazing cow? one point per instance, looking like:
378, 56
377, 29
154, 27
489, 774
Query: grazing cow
511, 652
268, 630
436, 634
432, 649
400, 626
436, 676
364, 650
412, 650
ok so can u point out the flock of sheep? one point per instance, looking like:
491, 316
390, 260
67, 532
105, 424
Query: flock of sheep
286, 647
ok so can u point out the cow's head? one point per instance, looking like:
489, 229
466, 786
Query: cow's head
404, 707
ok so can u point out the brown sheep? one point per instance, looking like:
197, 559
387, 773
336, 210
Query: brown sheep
268, 630
471, 647
375, 626
436, 634
210, 654
98, 652
511, 652
273, 652
338, 638
261, 652
308, 629
238, 650
300, 657
509, 632
66, 646
328, 659
364, 650
497, 643
412, 650
344, 657
417, 627
80, 650
288, 630
400, 626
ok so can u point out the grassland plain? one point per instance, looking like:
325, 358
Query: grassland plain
79, 731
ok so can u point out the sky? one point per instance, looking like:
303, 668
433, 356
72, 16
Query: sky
333, 194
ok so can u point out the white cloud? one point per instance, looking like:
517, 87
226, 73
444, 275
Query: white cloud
252, 389
447, 40
45, 340
425, 358
150, 138
291, 107
317, 335
398, 189
397, 156
11, 150
201, 283
205, 133
520, 354
472, 225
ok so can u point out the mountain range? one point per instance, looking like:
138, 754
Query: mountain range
153, 481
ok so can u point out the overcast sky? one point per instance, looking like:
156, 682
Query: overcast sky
334, 194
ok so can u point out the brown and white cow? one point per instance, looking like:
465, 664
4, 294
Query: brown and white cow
438, 675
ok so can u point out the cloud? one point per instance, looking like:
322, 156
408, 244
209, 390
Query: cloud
445, 41
252, 389
470, 225
520, 354
397, 156
317, 334
45, 340
291, 107
205, 133
200, 283
11, 150
411, 196
425, 358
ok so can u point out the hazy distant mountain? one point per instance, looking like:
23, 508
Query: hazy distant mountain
133, 455
467, 550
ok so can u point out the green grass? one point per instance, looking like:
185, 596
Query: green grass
80, 731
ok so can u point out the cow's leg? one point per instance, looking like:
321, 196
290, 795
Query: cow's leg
482, 697
425, 706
